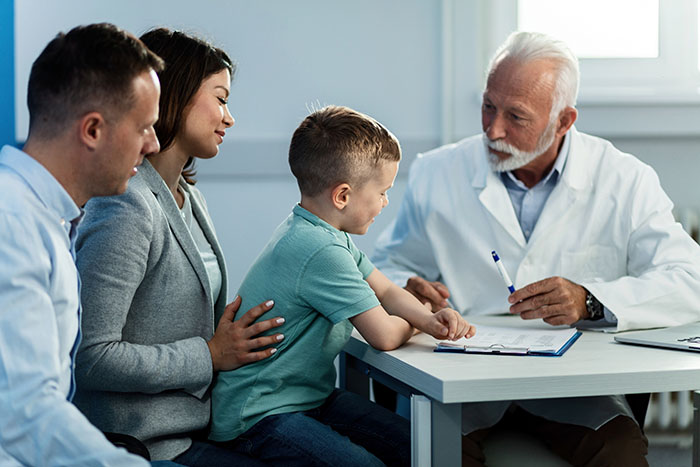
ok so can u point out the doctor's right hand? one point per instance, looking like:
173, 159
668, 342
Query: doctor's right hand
235, 343
435, 293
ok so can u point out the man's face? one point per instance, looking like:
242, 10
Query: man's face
515, 113
129, 138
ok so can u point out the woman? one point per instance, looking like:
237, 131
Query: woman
153, 276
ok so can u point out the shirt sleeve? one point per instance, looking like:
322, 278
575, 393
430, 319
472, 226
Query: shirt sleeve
332, 283
38, 425
117, 231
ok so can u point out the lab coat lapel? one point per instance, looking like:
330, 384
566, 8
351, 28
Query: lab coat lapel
177, 224
573, 187
494, 197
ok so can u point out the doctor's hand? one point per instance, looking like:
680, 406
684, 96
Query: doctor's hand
434, 293
556, 300
235, 343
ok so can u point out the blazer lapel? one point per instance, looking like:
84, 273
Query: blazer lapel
177, 224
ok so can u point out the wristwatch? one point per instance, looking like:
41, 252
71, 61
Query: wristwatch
594, 307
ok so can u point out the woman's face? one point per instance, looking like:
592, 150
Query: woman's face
207, 117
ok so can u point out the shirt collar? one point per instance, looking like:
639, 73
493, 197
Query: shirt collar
48, 190
313, 218
557, 169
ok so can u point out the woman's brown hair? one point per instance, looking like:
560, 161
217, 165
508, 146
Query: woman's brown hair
188, 62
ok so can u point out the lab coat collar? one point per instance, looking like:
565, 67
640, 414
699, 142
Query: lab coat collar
576, 177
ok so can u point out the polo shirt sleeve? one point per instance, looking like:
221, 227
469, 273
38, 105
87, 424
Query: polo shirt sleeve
332, 282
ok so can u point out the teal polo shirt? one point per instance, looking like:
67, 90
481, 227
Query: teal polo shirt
316, 276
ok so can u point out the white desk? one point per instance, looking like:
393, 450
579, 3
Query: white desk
594, 365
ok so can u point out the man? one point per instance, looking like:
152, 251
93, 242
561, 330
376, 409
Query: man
93, 99
585, 231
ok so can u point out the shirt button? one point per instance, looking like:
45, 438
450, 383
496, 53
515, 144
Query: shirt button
63, 222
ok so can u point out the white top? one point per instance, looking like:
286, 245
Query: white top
205, 249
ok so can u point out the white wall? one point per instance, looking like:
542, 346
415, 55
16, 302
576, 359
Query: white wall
415, 65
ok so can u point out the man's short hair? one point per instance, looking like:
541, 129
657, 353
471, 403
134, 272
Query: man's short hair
339, 145
530, 46
91, 68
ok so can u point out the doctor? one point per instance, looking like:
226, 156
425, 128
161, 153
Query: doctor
585, 231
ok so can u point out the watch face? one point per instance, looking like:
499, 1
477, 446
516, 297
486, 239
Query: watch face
594, 308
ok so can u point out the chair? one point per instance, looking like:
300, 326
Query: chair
506, 447
128, 442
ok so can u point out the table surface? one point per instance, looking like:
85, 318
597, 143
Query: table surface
594, 365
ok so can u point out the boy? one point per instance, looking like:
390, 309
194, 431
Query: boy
285, 410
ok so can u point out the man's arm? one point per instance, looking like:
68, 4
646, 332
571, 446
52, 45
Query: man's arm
662, 285
38, 425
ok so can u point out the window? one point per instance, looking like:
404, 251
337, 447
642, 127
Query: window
590, 34
628, 49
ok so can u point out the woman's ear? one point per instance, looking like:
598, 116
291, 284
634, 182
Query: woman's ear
340, 195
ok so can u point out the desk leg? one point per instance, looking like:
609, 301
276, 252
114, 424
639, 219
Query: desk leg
446, 434
696, 428
351, 379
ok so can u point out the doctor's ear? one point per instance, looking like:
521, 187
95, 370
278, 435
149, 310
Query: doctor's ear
567, 117
340, 195
91, 128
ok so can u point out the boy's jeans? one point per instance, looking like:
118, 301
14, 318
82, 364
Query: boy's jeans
346, 430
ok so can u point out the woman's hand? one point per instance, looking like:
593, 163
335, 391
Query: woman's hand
234, 343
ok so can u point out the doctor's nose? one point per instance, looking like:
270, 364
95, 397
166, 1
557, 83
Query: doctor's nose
495, 128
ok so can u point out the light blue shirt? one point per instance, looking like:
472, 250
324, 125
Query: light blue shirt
40, 324
528, 204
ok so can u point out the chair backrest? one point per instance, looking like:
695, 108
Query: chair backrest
128, 442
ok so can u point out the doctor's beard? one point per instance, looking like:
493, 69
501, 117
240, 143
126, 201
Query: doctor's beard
517, 157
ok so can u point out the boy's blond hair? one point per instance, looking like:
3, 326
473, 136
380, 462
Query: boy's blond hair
339, 145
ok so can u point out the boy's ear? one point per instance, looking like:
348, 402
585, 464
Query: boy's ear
340, 195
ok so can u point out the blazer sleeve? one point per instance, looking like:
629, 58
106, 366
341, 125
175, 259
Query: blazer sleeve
112, 257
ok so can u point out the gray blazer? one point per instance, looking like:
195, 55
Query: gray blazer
143, 366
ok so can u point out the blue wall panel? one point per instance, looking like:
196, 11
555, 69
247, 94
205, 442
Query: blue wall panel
7, 72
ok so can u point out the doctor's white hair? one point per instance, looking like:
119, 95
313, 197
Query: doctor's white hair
530, 46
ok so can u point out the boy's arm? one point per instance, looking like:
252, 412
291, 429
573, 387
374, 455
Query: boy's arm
444, 324
381, 330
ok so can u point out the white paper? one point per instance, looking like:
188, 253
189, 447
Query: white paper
513, 340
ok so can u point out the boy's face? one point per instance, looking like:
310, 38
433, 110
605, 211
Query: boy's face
367, 201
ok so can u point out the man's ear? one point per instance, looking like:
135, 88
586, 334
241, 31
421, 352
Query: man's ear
91, 129
567, 117
340, 195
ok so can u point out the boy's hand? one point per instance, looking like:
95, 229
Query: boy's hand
448, 324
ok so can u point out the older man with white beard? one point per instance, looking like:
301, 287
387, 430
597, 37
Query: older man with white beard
585, 231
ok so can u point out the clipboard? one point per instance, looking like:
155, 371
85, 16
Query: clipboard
501, 340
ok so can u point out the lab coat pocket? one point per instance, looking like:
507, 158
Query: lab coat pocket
591, 264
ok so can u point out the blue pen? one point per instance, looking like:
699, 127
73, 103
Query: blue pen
504, 273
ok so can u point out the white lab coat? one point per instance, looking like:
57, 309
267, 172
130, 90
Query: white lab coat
607, 226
